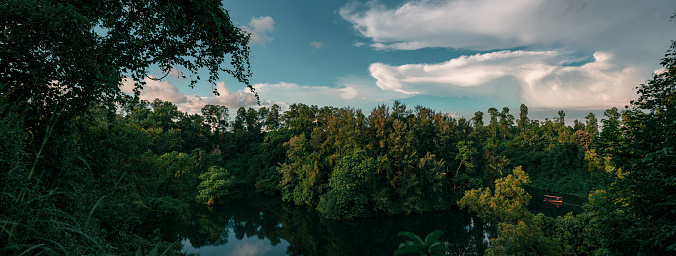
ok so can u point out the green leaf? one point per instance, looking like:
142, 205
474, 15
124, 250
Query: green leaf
432, 238
411, 236
154, 252
437, 248
407, 250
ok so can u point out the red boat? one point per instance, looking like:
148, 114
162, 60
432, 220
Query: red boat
555, 200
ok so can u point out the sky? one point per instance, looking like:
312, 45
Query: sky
453, 56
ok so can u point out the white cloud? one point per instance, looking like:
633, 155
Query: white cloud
156, 89
350, 91
312, 95
498, 24
167, 91
536, 78
259, 27
627, 38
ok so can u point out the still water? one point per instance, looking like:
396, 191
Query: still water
261, 226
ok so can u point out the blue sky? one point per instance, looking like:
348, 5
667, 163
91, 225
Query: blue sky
455, 56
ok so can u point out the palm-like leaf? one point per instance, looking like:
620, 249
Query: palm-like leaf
431, 245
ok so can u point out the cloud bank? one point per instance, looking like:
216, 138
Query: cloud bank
167, 91
536, 78
575, 53
497, 24
357, 93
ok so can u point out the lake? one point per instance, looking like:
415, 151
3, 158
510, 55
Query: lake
266, 226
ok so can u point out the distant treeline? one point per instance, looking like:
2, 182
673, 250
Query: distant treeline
394, 160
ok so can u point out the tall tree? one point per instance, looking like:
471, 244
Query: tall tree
478, 119
240, 120
506, 121
216, 117
163, 115
253, 123
610, 135
523, 117
561, 120
273, 120
591, 126
493, 112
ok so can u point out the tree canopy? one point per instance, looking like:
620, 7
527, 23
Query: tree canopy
68, 54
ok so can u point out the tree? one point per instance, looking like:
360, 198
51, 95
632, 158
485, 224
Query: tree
478, 119
507, 203
273, 120
578, 126
68, 55
519, 231
636, 209
493, 112
61, 67
240, 120
252, 119
163, 115
506, 121
561, 119
523, 117
263, 114
610, 135
591, 126
215, 186
216, 117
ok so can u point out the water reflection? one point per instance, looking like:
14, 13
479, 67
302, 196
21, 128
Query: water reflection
268, 227
248, 246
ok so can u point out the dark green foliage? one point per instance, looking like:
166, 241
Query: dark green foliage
635, 209
523, 118
89, 46
272, 153
415, 245
216, 118
578, 234
412, 150
519, 231
350, 187
215, 186
81, 175
77, 178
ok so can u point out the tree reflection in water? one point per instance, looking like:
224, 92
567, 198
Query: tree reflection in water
260, 226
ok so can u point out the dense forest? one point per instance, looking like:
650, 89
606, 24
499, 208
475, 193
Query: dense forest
86, 169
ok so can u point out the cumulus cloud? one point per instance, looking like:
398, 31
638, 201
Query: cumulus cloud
627, 38
536, 78
166, 91
259, 27
497, 24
